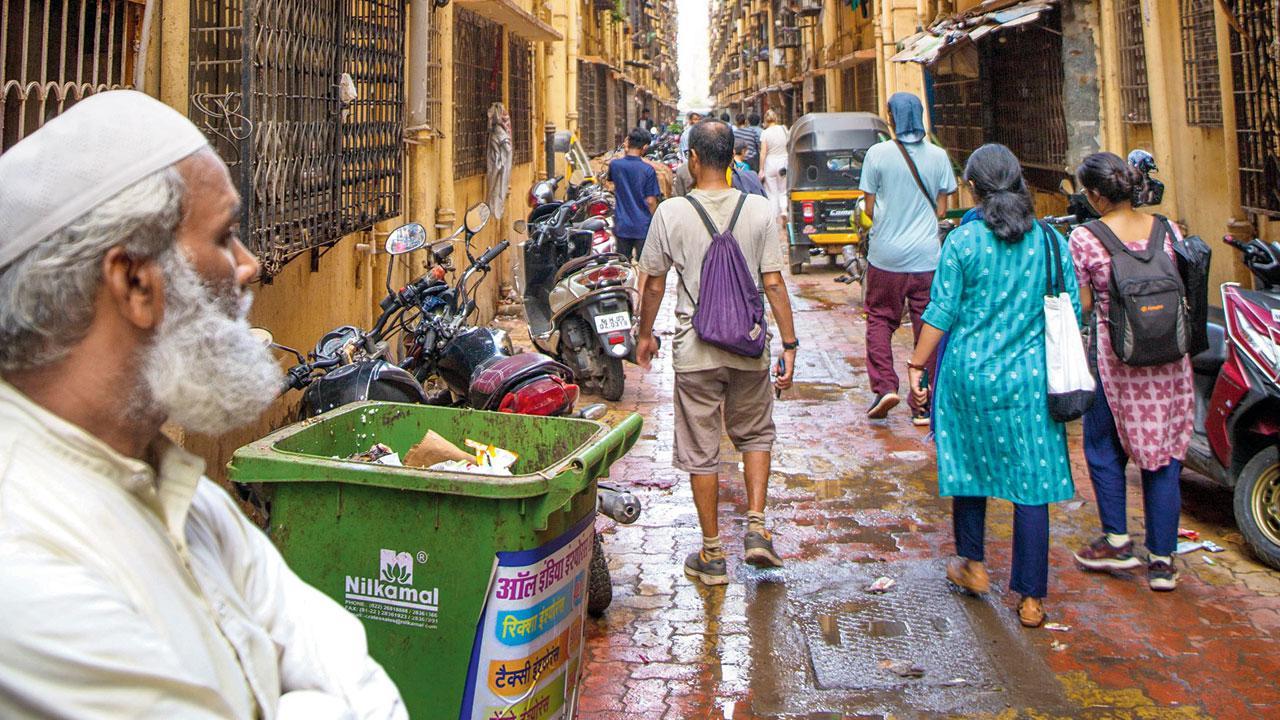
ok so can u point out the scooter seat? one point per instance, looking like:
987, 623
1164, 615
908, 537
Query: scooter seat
1211, 360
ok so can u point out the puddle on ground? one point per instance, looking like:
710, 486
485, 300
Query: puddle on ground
887, 628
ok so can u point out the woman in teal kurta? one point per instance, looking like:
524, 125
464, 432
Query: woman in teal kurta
991, 421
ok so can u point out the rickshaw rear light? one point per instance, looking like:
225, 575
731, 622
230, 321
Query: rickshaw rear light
806, 211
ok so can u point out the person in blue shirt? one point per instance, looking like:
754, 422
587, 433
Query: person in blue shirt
903, 250
635, 190
694, 119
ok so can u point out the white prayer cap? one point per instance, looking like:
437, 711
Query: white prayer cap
82, 158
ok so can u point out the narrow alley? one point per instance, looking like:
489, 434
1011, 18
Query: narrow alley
852, 500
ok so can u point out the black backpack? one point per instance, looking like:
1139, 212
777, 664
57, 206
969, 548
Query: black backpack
1193, 265
1148, 315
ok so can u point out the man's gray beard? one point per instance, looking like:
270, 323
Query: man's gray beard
205, 371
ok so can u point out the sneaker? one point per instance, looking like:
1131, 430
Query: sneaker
759, 550
1102, 555
884, 402
920, 418
969, 575
1161, 576
709, 572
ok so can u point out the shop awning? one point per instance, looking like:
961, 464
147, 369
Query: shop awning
959, 31
512, 17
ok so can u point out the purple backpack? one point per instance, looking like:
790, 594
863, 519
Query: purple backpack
728, 313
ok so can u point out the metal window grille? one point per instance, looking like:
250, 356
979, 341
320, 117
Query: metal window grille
819, 94
1134, 96
58, 52
586, 103
1023, 79
960, 118
848, 90
1200, 76
520, 68
1255, 71
477, 84
435, 78
866, 78
619, 112
272, 89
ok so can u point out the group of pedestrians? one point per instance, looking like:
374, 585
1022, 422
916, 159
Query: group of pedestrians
978, 371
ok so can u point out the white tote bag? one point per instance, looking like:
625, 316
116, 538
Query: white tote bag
1071, 384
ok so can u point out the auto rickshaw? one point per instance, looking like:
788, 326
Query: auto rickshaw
824, 166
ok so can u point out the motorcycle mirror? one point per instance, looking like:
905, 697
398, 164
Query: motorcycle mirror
477, 217
563, 140
263, 335
594, 411
520, 226
406, 239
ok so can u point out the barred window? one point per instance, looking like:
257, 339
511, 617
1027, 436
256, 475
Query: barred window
960, 117
521, 102
435, 78
1134, 97
1200, 75
58, 52
308, 114
866, 73
477, 84
1256, 79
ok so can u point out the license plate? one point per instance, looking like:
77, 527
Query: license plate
613, 322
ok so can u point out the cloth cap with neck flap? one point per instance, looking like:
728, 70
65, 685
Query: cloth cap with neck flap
82, 158
908, 117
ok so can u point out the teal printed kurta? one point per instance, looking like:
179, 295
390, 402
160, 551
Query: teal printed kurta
991, 419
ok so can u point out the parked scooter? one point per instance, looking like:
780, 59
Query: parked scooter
579, 304
1236, 442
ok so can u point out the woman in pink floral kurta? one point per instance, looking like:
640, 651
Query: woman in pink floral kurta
1141, 413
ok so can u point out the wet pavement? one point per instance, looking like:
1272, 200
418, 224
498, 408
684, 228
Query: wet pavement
853, 500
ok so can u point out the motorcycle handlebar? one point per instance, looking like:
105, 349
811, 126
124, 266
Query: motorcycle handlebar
491, 253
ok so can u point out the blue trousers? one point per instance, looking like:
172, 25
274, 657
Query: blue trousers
1161, 493
1030, 573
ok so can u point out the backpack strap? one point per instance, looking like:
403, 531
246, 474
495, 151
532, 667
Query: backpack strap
702, 213
1114, 246
711, 228
733, 221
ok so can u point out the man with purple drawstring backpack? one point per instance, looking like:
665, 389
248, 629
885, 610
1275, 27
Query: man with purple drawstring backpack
721, 242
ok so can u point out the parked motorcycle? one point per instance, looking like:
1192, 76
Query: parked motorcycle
476, 364
1236, 442
579, 304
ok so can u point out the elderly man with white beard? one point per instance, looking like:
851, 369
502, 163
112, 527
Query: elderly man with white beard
130, 585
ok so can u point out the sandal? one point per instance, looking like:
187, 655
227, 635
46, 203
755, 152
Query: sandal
1031, 612
969, 575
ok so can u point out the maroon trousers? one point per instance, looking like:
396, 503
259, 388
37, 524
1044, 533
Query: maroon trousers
887, 293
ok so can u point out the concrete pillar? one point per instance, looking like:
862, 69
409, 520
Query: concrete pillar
1081, 94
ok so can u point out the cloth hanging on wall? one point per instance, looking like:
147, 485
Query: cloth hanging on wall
498, 160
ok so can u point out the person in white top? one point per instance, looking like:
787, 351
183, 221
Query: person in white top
131, 586
773, 167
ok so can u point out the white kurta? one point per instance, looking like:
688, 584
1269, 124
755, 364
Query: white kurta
124, 593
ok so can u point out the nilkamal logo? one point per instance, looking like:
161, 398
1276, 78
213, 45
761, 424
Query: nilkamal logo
396, 567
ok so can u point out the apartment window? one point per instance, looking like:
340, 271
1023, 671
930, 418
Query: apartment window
1200, 76
56, 53
819, 94
314, 160
960, 117
848, 90
477, 84
1256, 80
1134, 97
520, 67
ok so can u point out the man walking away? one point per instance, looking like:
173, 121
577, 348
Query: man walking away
905, 180
646, 123
750, 137
717, 390
635, 186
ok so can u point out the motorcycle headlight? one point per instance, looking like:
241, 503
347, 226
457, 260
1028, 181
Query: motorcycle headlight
1258, 338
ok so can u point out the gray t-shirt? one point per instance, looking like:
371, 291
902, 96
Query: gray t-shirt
678, 239
904, 235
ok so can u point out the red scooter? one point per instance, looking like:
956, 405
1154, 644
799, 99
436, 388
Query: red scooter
1237, 380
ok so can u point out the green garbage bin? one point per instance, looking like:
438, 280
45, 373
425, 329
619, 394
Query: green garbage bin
472, 589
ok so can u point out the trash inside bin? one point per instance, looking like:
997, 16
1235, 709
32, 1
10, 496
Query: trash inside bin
472, 588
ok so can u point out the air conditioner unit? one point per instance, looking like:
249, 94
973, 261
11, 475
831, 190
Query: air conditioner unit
808, 8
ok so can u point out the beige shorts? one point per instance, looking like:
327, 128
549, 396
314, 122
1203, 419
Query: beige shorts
709, 403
